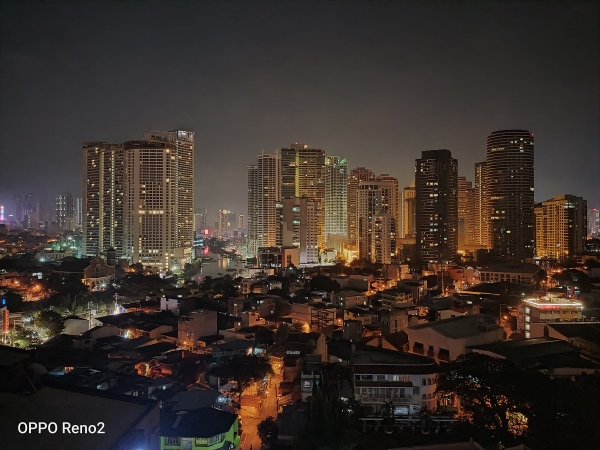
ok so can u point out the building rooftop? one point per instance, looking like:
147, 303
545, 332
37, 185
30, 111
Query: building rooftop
460, 327
349, 293
201, 423
512, 267
380, 356
120, 415
528, 348
589, 331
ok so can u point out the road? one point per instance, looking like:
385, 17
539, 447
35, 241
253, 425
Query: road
250, 440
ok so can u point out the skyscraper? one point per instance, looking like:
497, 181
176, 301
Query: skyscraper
336, 187
223, 222
263, 195
183, 142
241, 222
510, 195
65, 212
354, 178
78, 213
103, 215
377, 212
297, 226
409, 212
436, 183
561, 227
594, 222
466, 195
481, 231
308, 168
151, 204
138, 199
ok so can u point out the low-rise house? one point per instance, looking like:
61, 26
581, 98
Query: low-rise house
391, 297
445, 340
583, 335
205, 428
407, 381
349, 298
360, 314
519, 273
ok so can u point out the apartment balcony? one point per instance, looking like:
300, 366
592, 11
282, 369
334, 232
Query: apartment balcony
395, 400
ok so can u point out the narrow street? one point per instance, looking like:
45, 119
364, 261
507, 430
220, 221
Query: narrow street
250, 421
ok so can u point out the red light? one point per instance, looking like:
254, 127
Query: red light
206, 231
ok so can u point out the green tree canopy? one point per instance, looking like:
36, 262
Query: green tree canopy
244, 370
51, 321
268, 432
324, 283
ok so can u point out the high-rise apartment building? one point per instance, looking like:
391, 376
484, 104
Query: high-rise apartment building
103, 214
65, 212
199, 223
18, 209
510, 196
298, 226
436, 182
151, 204
263, 195
594, 222
183, 141
336, 198
561, 227
481, 216
138, 199
252, 221
409, 212
354, 178
223, 224
78, 213
241, 222
307, 167
466, 206
377, 213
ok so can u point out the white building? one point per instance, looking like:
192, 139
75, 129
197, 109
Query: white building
445, 340
407, 381
197, 324
550, 308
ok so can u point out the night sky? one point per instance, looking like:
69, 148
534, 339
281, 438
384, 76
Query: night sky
376, 82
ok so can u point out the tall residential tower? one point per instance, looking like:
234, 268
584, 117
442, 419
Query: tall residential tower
510, 196
436, 182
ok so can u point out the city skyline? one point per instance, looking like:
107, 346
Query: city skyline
378, 103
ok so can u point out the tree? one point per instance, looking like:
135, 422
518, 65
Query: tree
264, 336
51, 321
540, 278
244, 370
488, 399
282, 334
330, 426
324, 283
268, 431
297, 327
591, 263
14, 301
